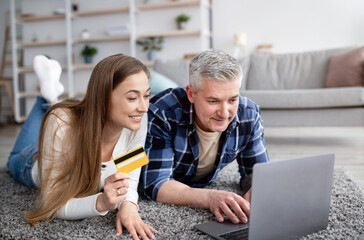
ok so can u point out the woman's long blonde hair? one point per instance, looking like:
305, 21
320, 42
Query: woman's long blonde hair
80, 173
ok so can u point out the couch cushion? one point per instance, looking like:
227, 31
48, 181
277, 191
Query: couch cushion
176, 70
346, 69
290, 71
159, 82
314, 117
307, 98
245, 64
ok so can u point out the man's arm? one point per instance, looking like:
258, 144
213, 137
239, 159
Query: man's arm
254, 152
160, 186
245, 186
219, 202
159, 148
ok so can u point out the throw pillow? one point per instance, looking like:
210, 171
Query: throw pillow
346, 69
159, 82
175, 69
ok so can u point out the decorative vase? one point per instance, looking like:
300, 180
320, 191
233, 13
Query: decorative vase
152, 55
88, 58
181, 25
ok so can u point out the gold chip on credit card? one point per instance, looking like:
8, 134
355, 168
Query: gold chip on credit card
131, 160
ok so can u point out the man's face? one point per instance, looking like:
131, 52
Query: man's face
215, 105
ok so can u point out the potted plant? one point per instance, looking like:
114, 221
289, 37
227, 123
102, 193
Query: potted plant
151, 45
88, 52
181, 21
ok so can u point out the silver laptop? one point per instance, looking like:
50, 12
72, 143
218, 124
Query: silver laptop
290, 199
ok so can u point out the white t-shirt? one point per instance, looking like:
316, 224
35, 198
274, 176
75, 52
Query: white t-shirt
79, 208
208, 146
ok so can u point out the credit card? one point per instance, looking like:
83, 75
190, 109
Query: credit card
131, 160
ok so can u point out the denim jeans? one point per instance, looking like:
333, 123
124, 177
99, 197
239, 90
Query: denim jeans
22, 157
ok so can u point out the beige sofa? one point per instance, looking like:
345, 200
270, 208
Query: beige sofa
291, 89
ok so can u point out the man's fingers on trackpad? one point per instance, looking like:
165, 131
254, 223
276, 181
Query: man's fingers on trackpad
219, 216
231, 215
244, 206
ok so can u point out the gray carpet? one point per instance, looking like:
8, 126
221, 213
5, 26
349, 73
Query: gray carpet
346, 219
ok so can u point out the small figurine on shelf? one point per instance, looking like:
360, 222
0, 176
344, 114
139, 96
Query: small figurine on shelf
182, 20
88, 52
151, 45
75, 6
59, 11
85, 34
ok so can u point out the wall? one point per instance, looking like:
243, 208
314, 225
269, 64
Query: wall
298, 25
290, 26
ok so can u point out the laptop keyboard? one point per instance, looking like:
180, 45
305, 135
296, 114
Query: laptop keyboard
236, 235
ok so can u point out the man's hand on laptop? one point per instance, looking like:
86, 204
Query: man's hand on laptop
235, 207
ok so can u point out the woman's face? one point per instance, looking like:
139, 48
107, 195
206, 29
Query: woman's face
129, 101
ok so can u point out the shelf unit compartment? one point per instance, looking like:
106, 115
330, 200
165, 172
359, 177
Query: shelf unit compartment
167, 22
42, 8
98, 26
38, 34
108, 49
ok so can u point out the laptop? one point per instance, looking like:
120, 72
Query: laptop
289, 199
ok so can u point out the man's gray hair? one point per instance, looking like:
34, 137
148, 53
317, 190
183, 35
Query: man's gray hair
213, 65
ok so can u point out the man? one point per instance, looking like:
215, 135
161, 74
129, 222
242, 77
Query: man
194, 132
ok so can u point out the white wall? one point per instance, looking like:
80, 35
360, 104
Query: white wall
290, 25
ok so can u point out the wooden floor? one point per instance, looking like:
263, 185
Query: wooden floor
347, 143
283, 143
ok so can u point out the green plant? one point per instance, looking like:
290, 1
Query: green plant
151, 43
88, 51
182, 18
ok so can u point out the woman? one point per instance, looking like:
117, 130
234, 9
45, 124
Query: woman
71, 161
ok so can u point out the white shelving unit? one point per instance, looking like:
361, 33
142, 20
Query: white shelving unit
69, 42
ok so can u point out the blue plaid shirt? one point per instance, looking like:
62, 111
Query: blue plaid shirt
173, 148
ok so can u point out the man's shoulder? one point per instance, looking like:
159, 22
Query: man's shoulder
247, 108
247, 103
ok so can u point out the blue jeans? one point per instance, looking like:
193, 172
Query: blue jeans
22, 157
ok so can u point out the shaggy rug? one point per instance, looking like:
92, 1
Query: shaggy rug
346, 220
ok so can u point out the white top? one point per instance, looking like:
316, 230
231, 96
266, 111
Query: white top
78, 208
